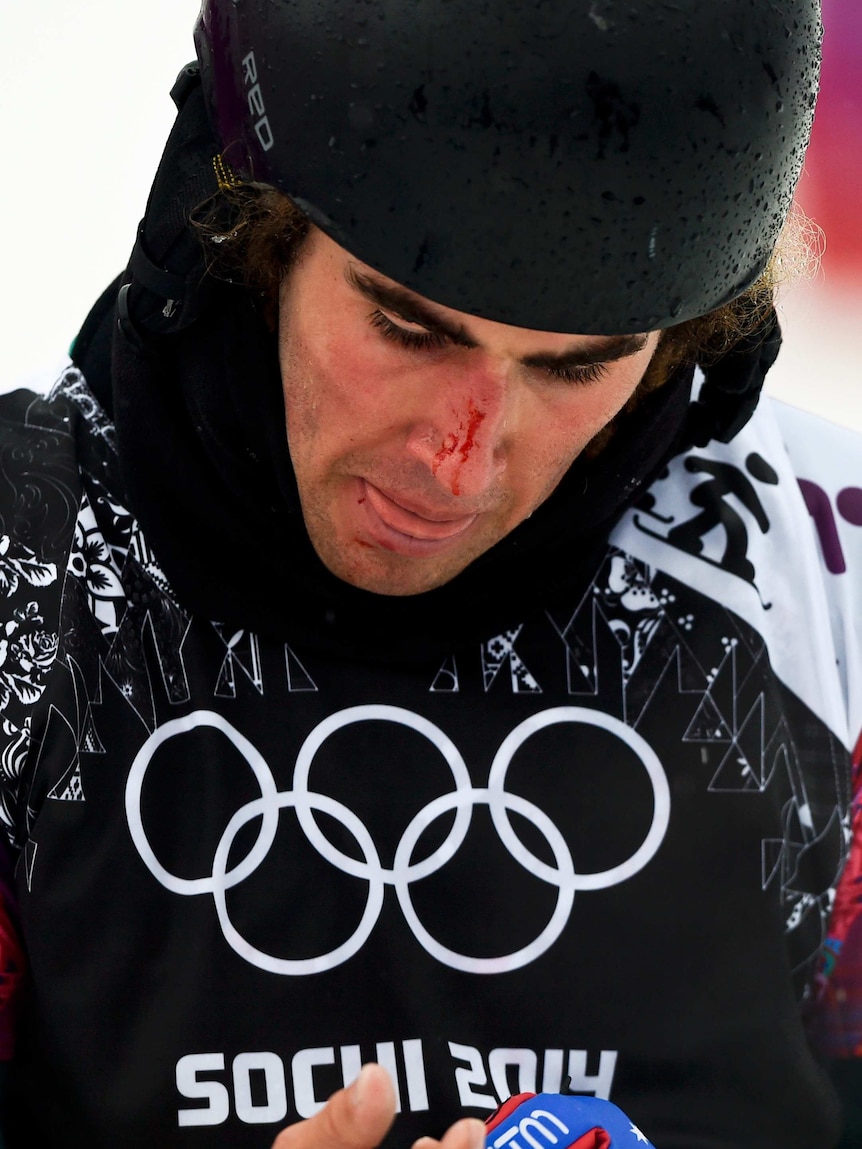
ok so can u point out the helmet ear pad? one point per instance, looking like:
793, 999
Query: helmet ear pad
591, 167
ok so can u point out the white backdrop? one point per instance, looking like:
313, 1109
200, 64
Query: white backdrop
84, 113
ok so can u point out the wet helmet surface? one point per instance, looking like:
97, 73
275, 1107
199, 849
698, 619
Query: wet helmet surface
590, 166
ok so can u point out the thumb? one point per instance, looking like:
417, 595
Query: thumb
354, 1118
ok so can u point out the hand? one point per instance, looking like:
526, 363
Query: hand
359, 1118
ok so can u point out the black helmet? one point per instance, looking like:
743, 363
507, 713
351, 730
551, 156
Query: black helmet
599, 166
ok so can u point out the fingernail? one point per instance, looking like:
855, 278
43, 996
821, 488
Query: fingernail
359, 1087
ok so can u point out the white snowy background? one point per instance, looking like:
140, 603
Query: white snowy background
84, 113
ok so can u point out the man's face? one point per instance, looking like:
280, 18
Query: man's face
420, 436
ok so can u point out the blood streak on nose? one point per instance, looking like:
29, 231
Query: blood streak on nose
448, 449
453, 443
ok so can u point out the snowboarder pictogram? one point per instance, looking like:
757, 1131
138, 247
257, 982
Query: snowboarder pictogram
712, 497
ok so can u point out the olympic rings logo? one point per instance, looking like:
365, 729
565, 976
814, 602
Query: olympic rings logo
462, 799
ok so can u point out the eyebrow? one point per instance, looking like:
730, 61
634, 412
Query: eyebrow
415, 310
610, 349
408, 306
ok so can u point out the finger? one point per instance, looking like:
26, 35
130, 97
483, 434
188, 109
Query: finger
353, 1118
468, 1133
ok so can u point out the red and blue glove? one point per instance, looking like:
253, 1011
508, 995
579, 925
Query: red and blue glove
561, 1121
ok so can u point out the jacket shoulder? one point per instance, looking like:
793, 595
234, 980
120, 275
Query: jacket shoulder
39, 474
40, 495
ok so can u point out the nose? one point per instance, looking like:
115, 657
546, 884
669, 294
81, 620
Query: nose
461, 436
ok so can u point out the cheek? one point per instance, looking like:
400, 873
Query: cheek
570, 420
574, 421
336, 380
316, 396
550, 465
594, 407
537, 461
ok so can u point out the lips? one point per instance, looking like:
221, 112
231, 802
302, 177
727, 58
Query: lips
405, 530
429, 527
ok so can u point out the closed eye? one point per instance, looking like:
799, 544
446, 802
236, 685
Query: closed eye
589, 373
418, 339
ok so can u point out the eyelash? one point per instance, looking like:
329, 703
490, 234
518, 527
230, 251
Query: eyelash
588, 374
425, 340
414, 340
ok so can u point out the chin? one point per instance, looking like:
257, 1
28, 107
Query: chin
398, 584
379, 572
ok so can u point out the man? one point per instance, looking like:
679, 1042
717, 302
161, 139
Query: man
465, 728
